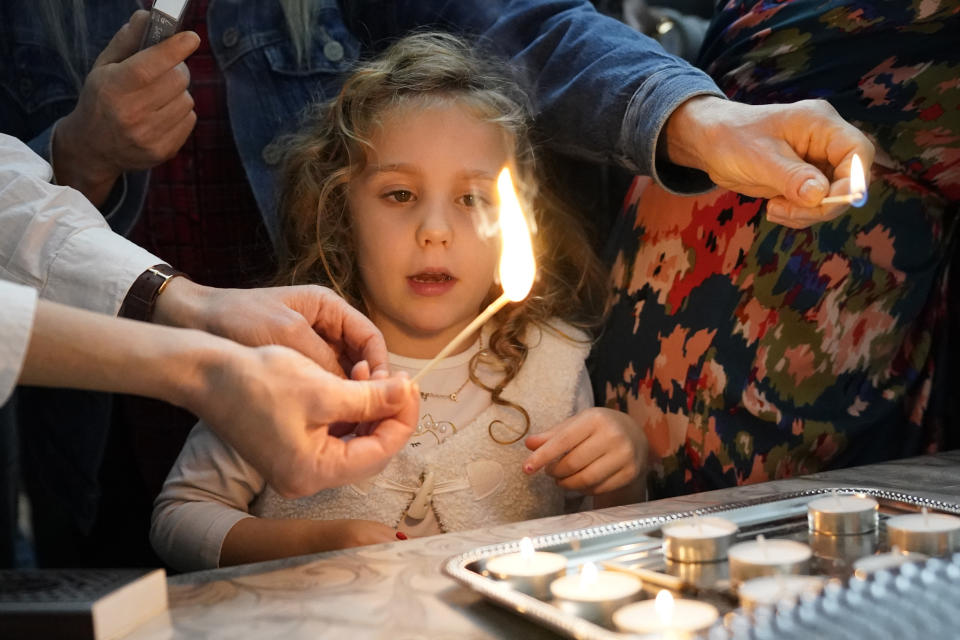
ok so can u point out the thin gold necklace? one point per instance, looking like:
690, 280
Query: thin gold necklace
453, 397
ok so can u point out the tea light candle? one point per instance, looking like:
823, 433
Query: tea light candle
666, 615
763, 557
934, 534
841, 515
594, 595
529, 571
769, 590
698, 539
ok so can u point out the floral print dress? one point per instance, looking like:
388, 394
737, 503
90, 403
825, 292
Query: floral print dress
749, 351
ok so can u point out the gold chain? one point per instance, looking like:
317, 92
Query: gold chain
453, 397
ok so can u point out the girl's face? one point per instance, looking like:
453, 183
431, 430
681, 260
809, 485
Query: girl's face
429, 184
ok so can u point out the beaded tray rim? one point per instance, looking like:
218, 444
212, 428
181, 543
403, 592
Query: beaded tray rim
552, 617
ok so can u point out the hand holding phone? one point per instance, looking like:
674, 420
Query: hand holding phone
165, 18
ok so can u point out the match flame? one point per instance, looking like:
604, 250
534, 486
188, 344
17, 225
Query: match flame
517, 266
858, 181
663, 605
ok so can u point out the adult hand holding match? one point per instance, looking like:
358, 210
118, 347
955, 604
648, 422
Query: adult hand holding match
793, 154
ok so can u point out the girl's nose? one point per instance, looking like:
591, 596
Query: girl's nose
435, 229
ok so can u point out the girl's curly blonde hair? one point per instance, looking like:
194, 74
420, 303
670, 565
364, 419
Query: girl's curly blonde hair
317, 244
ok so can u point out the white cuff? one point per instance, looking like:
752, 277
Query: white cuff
18, 304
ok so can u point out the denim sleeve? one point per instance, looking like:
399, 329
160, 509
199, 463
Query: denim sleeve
600, 91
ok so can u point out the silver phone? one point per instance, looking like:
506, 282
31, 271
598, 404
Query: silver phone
165, 17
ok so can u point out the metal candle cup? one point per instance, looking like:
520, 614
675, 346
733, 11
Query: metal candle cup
698, 539
528, 571
699, 574
766, 558
847, 548
594, 595
933, 534
842, 515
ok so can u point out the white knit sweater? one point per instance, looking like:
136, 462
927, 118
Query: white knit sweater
476, 481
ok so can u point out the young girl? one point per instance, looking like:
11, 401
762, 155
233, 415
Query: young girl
388, 194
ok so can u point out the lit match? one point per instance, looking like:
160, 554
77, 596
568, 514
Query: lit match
858, 187
517, 266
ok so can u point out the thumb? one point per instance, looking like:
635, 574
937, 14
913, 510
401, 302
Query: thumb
126, 41
799, 182
366, 400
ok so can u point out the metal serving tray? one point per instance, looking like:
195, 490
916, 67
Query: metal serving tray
637, 544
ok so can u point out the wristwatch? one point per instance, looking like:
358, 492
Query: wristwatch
143, 293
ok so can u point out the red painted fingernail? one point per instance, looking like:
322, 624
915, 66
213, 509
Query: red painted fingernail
528, 468
401, 535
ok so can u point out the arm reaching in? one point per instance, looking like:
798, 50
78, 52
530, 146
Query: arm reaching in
308, 318
603, 92
272, 404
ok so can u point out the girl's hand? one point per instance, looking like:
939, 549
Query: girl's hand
343, 534
596, 451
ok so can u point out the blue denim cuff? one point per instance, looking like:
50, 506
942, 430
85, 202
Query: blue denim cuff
646, 117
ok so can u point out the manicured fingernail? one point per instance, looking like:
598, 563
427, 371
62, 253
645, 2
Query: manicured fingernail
528, 468
401, 535
811, 190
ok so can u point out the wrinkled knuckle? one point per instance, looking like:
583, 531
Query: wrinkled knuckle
141, 75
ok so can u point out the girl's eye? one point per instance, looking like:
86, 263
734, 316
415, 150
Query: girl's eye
472, 200
400, 195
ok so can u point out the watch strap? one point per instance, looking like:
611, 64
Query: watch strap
143, 293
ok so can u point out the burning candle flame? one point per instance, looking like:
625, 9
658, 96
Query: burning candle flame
588, 575
858, 182
517, 266
526, 549
664, 608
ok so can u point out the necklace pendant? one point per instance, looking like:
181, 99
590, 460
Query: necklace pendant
453, 396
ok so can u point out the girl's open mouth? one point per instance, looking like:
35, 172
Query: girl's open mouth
431, 283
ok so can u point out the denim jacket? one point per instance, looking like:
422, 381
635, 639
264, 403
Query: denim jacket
600, 91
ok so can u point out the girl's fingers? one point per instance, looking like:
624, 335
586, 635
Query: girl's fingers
557, 444
579, 458
593, 475
618, 480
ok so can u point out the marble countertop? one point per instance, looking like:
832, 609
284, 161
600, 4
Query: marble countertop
397, 591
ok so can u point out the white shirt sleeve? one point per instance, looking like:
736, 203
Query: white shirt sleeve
18, 305
208, 490
54, 240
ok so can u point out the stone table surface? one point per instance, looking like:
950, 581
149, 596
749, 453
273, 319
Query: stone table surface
397, 591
